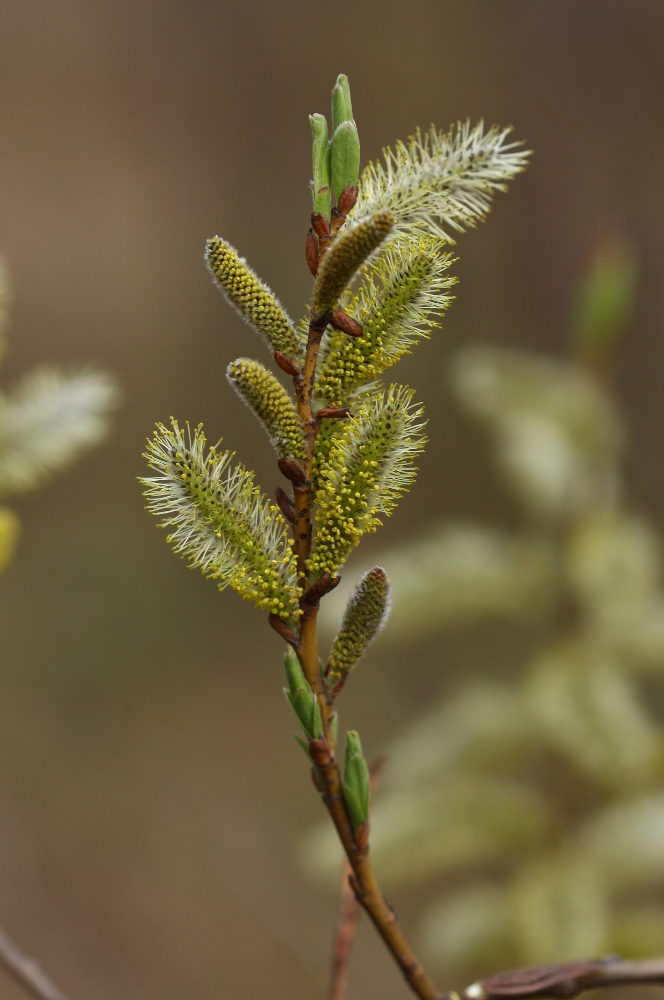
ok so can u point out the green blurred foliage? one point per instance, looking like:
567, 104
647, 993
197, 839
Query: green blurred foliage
535, 809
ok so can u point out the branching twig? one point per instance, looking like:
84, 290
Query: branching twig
27, 971
567, 979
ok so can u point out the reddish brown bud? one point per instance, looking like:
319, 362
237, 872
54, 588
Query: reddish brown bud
286, 505
362, 837
312, 252
320, 225
285, 363
320, 752
342, 321
320, 588
293, 470
283, 629
347, 200
333, 411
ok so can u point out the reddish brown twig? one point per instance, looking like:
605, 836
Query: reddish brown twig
567, 979
27, 971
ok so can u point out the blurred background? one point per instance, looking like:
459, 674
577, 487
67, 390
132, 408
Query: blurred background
145, 848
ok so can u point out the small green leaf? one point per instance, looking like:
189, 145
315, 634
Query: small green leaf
345, 157
320, 156
356, 785
301, 698
342, 109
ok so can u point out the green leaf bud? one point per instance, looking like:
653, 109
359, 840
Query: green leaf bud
356, 784
348, 252
342, 109
320, 156
294, 672
275, 409
345, 159
365, 615
302, 699
252, 299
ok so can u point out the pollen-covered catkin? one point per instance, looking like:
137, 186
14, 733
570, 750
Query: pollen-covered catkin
370, 465
402, 294
348, 252
251, 297
275, 409
441, 181
221, 522
365, 615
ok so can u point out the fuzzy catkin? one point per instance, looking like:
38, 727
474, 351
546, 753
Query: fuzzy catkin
402, 294
251, 297
348, 252
275, 409
441, 181
221, 522
370, 466
365, 615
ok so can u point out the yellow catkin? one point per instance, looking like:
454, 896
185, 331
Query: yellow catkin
275, 409
348, 252
365, 615
251, 297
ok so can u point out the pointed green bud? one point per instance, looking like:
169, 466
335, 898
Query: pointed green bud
254, 301
294, 672
342, 109
356, 785
348, 252
275, 409
302, 699
605, 299
320, 156
365, 615
345, 160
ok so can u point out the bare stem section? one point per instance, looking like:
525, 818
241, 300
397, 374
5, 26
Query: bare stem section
27, 971
567, 979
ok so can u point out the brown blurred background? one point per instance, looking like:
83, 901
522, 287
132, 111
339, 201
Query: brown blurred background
145, 849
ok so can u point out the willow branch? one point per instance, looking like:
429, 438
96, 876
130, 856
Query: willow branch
324, 754
27, 971
566, 979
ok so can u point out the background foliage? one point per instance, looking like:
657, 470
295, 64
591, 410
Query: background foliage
536, 804
131, 782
